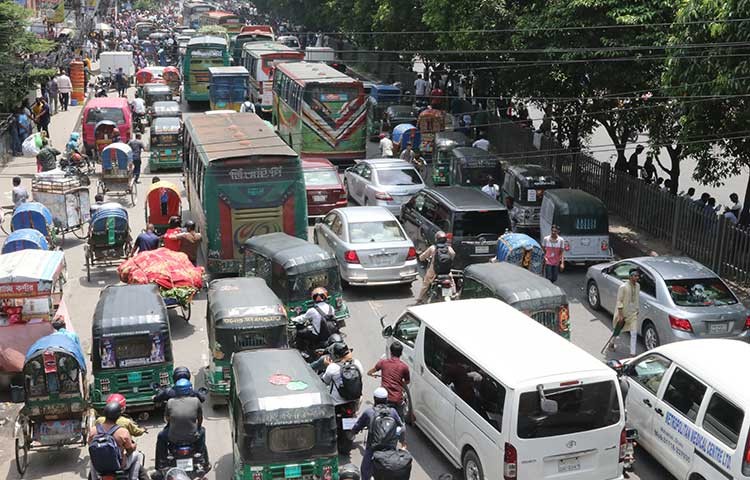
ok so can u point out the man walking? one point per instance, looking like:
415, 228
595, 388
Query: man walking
121, 82
633, 161
137, 146
628, 308
394, 377
41, 115
65, 87
386, 146
554, 260
53, 92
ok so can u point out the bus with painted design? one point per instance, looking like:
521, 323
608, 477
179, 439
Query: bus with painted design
260, 58
192, 11
229, 21
242, 180
320, 112
201, 54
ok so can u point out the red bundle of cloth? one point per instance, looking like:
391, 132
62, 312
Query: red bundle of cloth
164, 267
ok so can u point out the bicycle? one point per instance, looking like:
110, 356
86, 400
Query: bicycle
7, 215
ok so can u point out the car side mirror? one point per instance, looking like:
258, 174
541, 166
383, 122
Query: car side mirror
318, 220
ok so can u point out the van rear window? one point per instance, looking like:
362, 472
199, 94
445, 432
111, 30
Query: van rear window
580, 408
112, 114
470, 224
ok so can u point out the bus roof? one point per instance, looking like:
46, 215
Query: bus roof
234, 135
260, 48
207, 41
219, 14
305, 72
227, 71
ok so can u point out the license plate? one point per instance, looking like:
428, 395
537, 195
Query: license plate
185, 464
319, 198
348, 423
293, 471
482, 249
568, 465
134, 377
721, 327
447, 292
585, 242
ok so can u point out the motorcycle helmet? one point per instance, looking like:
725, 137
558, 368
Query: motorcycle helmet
334, 338
441, 237
183, 387
339, 350
181, 372
321, 293
112, 411
120, 399
349, 472
75, 136
176, 474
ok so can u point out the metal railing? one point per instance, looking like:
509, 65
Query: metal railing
690, 228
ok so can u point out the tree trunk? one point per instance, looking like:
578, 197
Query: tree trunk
675, 155
745, 215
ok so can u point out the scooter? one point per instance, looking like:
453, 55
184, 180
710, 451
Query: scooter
346, 417
441, 289
185, 457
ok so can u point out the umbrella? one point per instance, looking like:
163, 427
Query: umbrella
615, 333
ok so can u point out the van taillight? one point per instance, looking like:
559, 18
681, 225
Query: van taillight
746, 458
510, 462
449, 236
623, 444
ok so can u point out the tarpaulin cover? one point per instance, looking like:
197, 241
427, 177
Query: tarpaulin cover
31, 215
522, 250
25, 238
164, 267
15, 341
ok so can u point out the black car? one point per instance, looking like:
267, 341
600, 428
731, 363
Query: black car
472, 220
397, 114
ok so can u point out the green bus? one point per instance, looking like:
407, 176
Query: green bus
242, 180
202, 53
320, 112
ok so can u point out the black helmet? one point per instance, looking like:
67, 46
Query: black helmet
334, 338
190, 225
176, 474
339, 350
180, 372
441, 237
112, 411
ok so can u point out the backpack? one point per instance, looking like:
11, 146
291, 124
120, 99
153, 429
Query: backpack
328, 324
351, 382
104, 452
442, 260
383, 429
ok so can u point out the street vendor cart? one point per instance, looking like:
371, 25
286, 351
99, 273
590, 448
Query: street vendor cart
66, 199
31, 284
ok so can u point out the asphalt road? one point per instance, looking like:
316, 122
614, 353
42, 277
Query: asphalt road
589, 331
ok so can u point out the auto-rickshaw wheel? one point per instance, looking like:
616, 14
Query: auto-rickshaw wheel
23, 443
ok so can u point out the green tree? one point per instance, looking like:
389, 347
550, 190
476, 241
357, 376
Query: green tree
716, 127
17, 75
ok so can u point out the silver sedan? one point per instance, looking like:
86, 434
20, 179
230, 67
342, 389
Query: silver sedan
680, 299
369, 244
385, 182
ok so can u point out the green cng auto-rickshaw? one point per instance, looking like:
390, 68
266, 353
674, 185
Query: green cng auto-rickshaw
293, 267
131, 345
242, 314
445, 143
282, 418
470, 167
166, 144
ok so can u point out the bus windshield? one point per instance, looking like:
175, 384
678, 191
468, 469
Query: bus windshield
206, 53
328, 98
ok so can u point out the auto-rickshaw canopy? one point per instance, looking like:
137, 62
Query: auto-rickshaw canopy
166, 125
232, 306
448, 140
573, 208
294, 255
516, 286
166, 108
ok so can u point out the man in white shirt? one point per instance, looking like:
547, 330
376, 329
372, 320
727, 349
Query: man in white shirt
386, 146
139, 106
490, 188
332, 376
247, 106
482, 143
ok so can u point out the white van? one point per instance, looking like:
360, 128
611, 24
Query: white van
688, 401
504, 397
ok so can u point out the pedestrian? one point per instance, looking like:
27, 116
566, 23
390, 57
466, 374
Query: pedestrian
121, 82
648, 173
633, 161
53, 92
137, 146
420, 88
15, 136
394, 377
19, 194
40, 110
627, 309
729, 215
247, 106
408, 153
382, 433
735, 207
510, 205
689, 194
65, 87
554, 254
490, 188
46, 159
146, 240
482, 142
386, 146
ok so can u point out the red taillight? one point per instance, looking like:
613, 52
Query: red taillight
510, 462
350, 256
342, 194
746, 458
604, 245
412, 254
570, 383
747, 322
623, 444
258, 476
383, 196
327, 473
449, 236
681, 324
567, 246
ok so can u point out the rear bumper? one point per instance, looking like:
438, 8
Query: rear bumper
356, 274
574, 257
321, 209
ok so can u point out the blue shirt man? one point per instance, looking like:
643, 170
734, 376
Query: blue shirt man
146, 241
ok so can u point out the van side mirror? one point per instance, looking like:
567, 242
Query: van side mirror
318, 220
387, 331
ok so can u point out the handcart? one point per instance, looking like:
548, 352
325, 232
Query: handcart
66, 199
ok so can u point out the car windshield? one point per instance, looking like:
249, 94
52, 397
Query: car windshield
319, 178
96, 115
468, 224
701, 292
375, 232
399, 176
580, 408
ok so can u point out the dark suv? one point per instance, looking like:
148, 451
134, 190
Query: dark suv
472, 220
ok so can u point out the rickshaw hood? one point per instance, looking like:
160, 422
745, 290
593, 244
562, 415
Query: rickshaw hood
60, 342
42, 267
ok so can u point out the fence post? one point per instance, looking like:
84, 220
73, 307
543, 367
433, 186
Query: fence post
715, 257
676, 220
574, 171
604, 181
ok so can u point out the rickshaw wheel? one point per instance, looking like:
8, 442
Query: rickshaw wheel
80, 232
22, 449
186, 310
5, 225
133, 192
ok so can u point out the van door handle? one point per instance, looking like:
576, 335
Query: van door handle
659, 411
647, 402
421, 370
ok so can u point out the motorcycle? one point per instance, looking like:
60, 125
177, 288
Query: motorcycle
303, 338
627, 449
185, 457
441, 289
346, 417
78, 166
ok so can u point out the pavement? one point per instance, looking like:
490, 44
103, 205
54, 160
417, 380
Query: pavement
590, 330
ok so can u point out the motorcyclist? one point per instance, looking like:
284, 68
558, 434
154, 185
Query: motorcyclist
340, 355
131, 460
319, 365
139, 109
315, 315
166, 393
440, 247
124, 421
184, 417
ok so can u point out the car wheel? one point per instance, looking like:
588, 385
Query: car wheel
650, 335
472, 466
349, 197
592, 294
